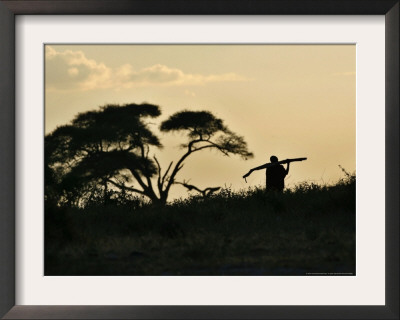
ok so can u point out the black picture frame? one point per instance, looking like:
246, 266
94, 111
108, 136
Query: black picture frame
8, 11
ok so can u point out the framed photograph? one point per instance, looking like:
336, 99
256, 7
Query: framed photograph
200, 181
199, 160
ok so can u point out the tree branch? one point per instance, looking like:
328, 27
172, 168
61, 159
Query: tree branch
138, 179
125, 187
145, 154
166, 173
212, 145
179, 164
142, 150
177, 168
206, 192
159, 173
191, 144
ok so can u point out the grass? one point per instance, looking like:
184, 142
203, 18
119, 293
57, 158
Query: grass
310, 229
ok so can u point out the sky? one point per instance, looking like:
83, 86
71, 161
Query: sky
285, 100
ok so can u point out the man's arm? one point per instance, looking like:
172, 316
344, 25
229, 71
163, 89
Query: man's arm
255, 169
287, 168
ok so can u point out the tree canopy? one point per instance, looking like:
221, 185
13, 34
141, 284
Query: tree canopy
114, 146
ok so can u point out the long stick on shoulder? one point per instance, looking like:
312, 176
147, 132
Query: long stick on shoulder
271, 164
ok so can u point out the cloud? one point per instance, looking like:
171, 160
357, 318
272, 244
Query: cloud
73, 71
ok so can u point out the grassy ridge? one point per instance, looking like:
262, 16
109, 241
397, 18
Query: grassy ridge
310, 229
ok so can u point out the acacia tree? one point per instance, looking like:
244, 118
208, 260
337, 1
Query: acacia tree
111, 147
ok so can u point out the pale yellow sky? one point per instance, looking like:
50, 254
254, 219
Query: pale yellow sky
286, 100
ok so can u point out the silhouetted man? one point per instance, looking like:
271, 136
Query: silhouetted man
275, 174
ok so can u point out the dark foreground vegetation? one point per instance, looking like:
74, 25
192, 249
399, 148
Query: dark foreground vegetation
307, 230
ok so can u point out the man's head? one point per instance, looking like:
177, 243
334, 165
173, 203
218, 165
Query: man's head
273, 159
